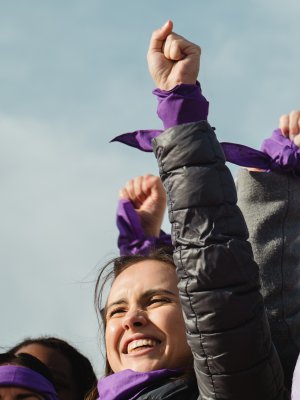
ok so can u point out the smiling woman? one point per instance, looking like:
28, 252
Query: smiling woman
139, 318
142, 310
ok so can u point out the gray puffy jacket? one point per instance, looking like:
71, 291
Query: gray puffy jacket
270, 204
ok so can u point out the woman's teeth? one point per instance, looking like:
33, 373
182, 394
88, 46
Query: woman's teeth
135, 344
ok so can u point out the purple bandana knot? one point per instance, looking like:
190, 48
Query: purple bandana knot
132, 239
284, 154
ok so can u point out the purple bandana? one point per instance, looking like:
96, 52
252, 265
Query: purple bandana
132, 239
278, 153
184, 103
128, 384
18, 376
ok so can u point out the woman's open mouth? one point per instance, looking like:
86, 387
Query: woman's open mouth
138, 345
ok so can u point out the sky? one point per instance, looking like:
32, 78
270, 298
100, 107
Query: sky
73, 75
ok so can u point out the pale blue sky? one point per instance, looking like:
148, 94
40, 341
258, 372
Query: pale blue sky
73, 75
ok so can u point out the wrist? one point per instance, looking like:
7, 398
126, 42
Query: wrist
182, 104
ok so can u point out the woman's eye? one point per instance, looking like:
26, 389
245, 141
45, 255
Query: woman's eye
159, 300
116, 312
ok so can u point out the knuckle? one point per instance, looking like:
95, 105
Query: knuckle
198, 49
283, 117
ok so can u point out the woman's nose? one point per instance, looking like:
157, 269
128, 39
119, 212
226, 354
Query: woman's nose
134, 319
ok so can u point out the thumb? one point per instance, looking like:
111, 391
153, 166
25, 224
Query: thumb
159, 36
296, 140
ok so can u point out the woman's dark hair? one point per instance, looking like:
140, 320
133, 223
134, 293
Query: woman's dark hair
28, 361
82, 370
109, 273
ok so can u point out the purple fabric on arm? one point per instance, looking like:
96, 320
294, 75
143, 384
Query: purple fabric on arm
278, 153
284, 154
18, 376
141, 139
183, 104
132, 239
186, 104
128, 384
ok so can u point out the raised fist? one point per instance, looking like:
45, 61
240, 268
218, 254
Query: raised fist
172, 59
148, 197
290, 126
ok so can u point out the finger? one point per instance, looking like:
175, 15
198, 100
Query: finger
284, 124
148, 183
131, 192
159, 36
297, 140
172, 47
294, 123
138, 189
123, 194
153, 185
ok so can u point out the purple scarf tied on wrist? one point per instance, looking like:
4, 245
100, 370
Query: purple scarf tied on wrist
132, 239
18, 376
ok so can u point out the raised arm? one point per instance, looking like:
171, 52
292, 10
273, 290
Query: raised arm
226, 324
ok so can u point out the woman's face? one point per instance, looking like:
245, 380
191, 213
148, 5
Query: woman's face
145, 329
59, 366
11, 393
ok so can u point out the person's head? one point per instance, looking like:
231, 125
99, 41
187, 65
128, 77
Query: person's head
142, 317
72, 372
23, 376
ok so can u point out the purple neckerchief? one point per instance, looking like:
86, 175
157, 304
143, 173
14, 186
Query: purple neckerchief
132, 239
18, 376
128, 384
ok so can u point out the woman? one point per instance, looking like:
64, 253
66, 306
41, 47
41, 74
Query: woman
224, 334
25, 377
72, 372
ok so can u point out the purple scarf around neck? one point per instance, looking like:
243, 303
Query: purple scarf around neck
128, 384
